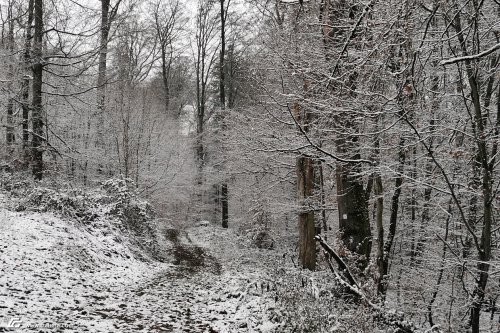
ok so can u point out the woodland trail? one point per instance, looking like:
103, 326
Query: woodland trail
209, 285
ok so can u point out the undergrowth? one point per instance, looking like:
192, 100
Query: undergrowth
113, 205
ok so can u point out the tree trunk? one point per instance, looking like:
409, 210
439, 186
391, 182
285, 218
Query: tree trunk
10, 104
101, 72
165, 72
222, 87
441, 268
320, 187
352, 198
200, 150
486, 184
393, 220
37, 117
419, 237
201, 54
205, 28
10, 121
222, 91
224, 203
379, 193
25, 85
307, 232
352, 205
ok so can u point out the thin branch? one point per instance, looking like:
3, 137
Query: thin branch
318, 148
470, 57
449, 184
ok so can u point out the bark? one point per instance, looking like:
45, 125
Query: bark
224, 203
37, 117
343, 267
305, 188
352, 204
307, 232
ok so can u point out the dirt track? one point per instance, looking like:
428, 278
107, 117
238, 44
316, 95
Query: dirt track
56, 278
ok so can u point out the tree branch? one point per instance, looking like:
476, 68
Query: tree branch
470, 57
380, 314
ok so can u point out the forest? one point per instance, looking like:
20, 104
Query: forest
250, 165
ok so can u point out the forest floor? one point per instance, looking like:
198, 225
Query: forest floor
56, 275
97, 260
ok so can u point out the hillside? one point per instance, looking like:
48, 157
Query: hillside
59, 274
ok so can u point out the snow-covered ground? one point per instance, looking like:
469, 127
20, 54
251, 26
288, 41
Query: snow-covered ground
58, 275
76, 260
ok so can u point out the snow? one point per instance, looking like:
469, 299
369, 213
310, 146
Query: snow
83, 267
58, 274
203, 223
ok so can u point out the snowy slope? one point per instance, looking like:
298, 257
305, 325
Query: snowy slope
56, 273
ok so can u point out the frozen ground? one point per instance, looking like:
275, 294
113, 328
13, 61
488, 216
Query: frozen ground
59, 276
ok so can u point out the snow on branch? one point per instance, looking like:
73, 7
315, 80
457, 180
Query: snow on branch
389, 317
470, 57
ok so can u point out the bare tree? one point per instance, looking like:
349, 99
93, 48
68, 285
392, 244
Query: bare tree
222, 94
108, 15
305, 188
205, 57
485, 150
169, 23
37, 117
352, 196
10, 48
25, 104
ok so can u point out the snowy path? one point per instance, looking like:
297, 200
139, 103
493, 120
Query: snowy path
56, 276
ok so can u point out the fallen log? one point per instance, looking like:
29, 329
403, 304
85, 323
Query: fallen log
346, 278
